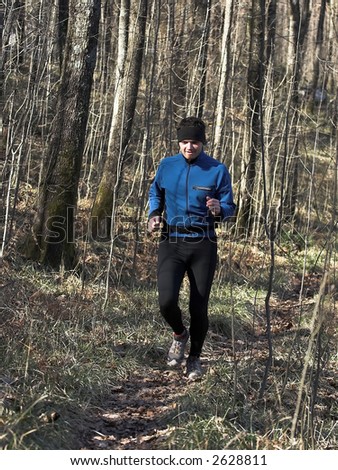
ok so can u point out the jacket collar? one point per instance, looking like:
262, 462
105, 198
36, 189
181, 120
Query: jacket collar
195, 160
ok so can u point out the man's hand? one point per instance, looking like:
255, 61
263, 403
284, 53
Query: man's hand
214, 206
154, 224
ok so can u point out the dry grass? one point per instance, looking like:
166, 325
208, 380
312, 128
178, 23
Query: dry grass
75, 375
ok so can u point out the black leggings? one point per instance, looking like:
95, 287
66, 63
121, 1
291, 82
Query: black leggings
197, 258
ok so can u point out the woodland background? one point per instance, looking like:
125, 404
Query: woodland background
91, 93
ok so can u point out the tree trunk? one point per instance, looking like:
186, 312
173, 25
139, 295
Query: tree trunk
245, 216
195, 91
63, 15
223, 79
52, 239
121, 126
319, 56
300, 24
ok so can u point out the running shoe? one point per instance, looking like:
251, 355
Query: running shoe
177, 348
194, 369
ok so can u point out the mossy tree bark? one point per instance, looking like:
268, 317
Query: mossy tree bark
126, 92
52, 238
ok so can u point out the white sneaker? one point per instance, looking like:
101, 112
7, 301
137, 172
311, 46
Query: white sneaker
177, 348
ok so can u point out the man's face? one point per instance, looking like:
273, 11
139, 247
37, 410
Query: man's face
190, 148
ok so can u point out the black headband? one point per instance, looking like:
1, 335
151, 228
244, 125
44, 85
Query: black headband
191, 133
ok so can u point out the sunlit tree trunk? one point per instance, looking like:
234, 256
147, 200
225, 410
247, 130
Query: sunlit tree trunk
101, 100
195, 91
269, 98
246, 214
332, 34
219, 132
128, 77
151, 58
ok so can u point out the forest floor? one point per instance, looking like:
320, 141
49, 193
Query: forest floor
137, 402
135, 415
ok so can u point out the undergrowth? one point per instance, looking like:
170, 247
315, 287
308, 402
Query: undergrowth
62, 354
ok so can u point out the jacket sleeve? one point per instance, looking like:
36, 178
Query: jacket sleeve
156, 195
225, 195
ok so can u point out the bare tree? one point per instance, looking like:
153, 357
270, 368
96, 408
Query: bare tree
300, 14
63, 14
52, 237
319, 56
195, 89
27, 65
254, 90
200, 58
127, 82
223, 79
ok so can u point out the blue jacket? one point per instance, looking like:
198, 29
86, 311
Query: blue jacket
179, 193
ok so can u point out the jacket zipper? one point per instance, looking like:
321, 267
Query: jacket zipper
187, 191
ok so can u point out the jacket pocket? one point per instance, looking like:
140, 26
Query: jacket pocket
204, 188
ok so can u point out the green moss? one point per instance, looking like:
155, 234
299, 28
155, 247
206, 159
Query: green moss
100, 221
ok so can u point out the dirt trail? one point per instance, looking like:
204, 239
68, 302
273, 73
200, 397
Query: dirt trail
140, 414
134, 417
